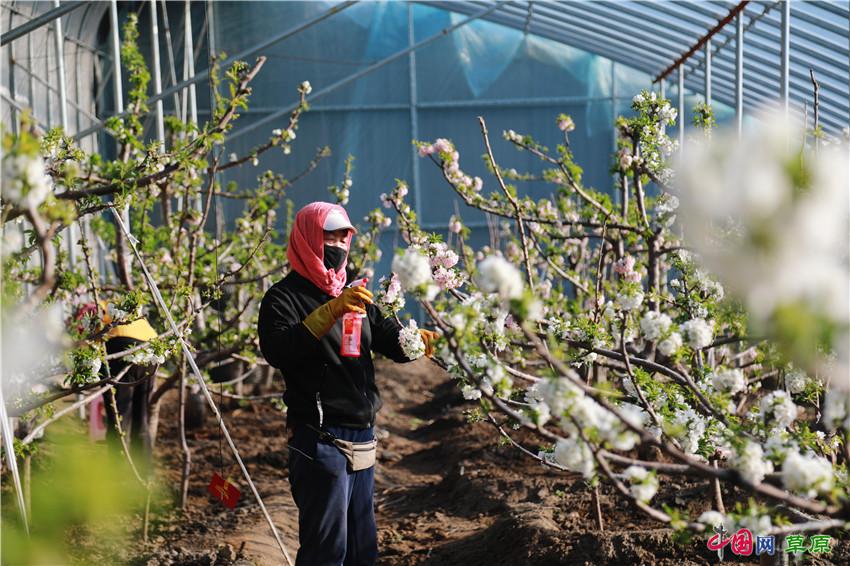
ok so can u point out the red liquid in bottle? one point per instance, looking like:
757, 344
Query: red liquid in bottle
352, 323
351, 326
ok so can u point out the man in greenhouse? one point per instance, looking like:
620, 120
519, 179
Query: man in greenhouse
331, 396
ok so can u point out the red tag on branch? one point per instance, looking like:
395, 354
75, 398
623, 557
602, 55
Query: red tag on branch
224, 491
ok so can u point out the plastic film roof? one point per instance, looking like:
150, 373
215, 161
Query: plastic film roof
649, 36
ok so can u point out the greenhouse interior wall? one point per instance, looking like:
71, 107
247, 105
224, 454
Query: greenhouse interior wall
513, 78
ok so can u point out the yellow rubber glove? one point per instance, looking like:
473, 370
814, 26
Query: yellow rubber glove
429, 337
352, 299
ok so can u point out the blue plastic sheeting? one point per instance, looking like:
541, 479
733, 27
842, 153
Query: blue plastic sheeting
515, 80
519, 67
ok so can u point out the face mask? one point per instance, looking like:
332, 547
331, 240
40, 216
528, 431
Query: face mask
334, 256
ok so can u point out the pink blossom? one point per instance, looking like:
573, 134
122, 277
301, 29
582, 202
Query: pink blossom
393, 289
442, 145
566, 125
455, 226
426, 150
446, 278
402, 191
624, 265
477, 184
445, 258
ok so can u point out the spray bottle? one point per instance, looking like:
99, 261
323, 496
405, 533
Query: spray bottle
352, 323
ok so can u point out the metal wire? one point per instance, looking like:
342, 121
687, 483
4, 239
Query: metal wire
200, 379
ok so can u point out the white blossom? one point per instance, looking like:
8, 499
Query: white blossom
94, 366
698, 332
411, 341
778, 408
728, 380
691, 428
654, 324
713, 519
496, 275
751, 464
25, 180
629, 301
667, 113
808, 475
145, 358
669, 345
771, 241
643, 485
795, 381
470, 392
574, 454
412, 268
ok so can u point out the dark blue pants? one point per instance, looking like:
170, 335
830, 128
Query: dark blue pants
336, 517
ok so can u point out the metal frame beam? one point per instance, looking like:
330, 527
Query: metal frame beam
204, 74
703, 40
45, 18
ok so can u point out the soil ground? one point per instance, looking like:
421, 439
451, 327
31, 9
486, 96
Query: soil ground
447, 493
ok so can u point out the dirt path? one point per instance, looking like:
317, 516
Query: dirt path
447, 493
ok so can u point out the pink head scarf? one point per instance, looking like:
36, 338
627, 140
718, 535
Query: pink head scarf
306, 247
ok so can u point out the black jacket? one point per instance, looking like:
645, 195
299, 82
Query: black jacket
314, 372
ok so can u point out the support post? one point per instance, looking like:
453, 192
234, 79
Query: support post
13, 112
157, 76
189, 62
414, 118
414, 124
117, 78
59, 38
681, 107
31, 74
708, 72
169, 52
189, 72
739, 73
784, 53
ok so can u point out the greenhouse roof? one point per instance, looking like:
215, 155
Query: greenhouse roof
650, 36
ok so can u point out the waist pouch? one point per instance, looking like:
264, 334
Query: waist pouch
359, 455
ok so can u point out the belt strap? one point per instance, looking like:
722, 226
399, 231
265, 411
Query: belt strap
324, 435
